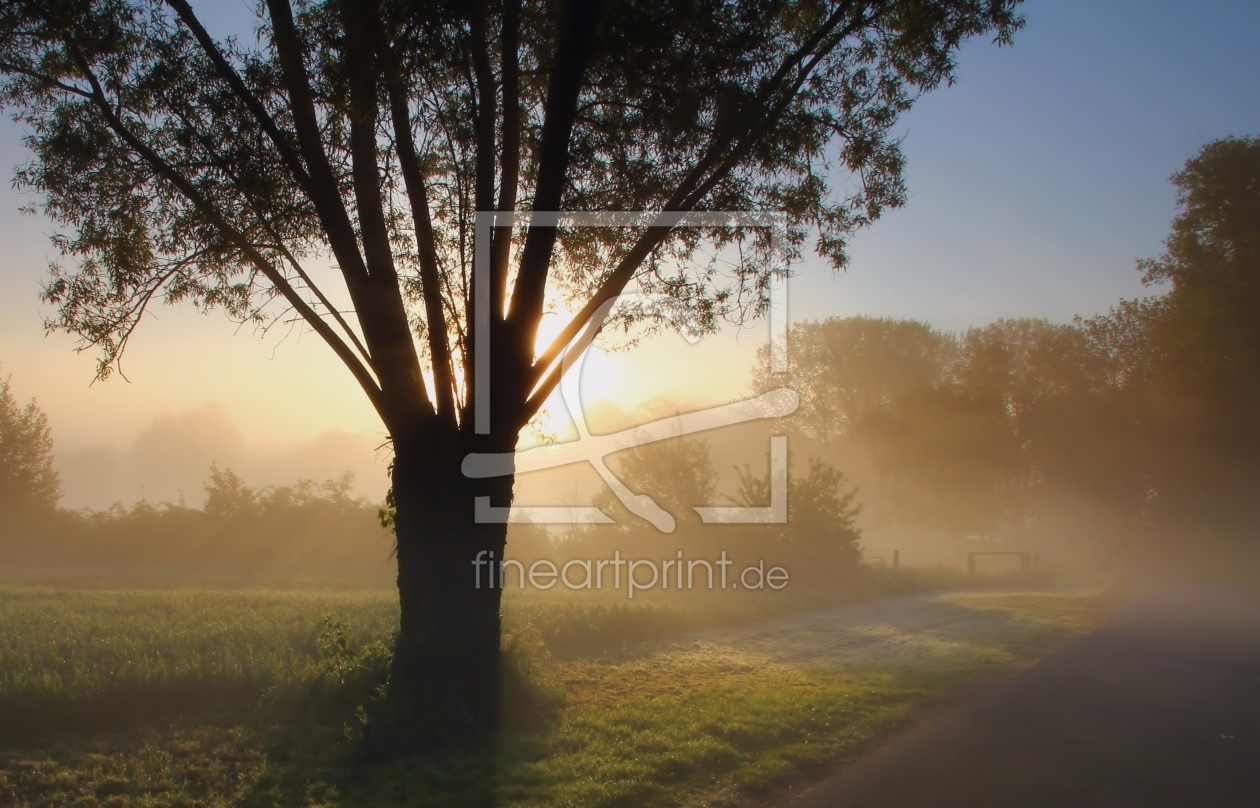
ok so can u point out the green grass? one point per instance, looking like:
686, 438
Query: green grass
85, 660
186, 685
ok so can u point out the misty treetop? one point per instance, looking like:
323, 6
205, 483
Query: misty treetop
1018, 424
844, 368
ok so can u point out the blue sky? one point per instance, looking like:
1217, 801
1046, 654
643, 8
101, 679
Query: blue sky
1038, 179
1035, 182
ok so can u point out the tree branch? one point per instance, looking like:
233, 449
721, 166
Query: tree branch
426, 245
769, 119
542, 382
756, 115
279, 245
396, 350
324, 191
688, 195
49, 80
483, 123
190, 191
255, 106
573, 51
501, 245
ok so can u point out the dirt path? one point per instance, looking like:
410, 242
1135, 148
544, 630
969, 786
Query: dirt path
1158, 707
920, 630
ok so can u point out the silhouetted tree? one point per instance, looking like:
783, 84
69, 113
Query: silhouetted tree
374, 133
29, 487
1204, 376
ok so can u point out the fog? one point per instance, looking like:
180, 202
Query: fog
169, 461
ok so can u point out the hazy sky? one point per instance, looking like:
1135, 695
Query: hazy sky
1035, 182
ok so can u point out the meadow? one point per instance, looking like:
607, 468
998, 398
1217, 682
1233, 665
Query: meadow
208, 698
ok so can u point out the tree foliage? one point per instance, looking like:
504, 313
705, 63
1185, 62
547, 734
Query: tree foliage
1204, 386
677, 472
182, 168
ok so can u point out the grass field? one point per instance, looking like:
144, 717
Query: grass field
193, 698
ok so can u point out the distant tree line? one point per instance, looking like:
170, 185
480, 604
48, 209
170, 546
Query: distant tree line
1136, 424
307, 531
1132, 429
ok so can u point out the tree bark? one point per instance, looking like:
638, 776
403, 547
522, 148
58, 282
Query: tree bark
444, 680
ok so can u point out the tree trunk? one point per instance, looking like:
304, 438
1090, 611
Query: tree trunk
444, 681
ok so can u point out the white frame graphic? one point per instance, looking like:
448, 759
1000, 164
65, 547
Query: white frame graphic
594, 448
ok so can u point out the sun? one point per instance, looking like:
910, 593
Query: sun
601, 380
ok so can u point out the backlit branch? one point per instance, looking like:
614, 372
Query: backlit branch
190, 192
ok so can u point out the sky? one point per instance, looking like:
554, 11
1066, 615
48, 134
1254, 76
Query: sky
1035, 182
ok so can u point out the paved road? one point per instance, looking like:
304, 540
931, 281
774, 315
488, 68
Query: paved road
1158, 707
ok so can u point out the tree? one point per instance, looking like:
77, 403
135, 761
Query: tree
1071, 427
843, 369
1020, 362
373, 133
1203, 380
1121, 339
227, 494
29, 486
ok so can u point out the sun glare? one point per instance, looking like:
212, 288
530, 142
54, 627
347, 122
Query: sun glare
602, 379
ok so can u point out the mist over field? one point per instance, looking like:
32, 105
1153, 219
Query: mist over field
168, 461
